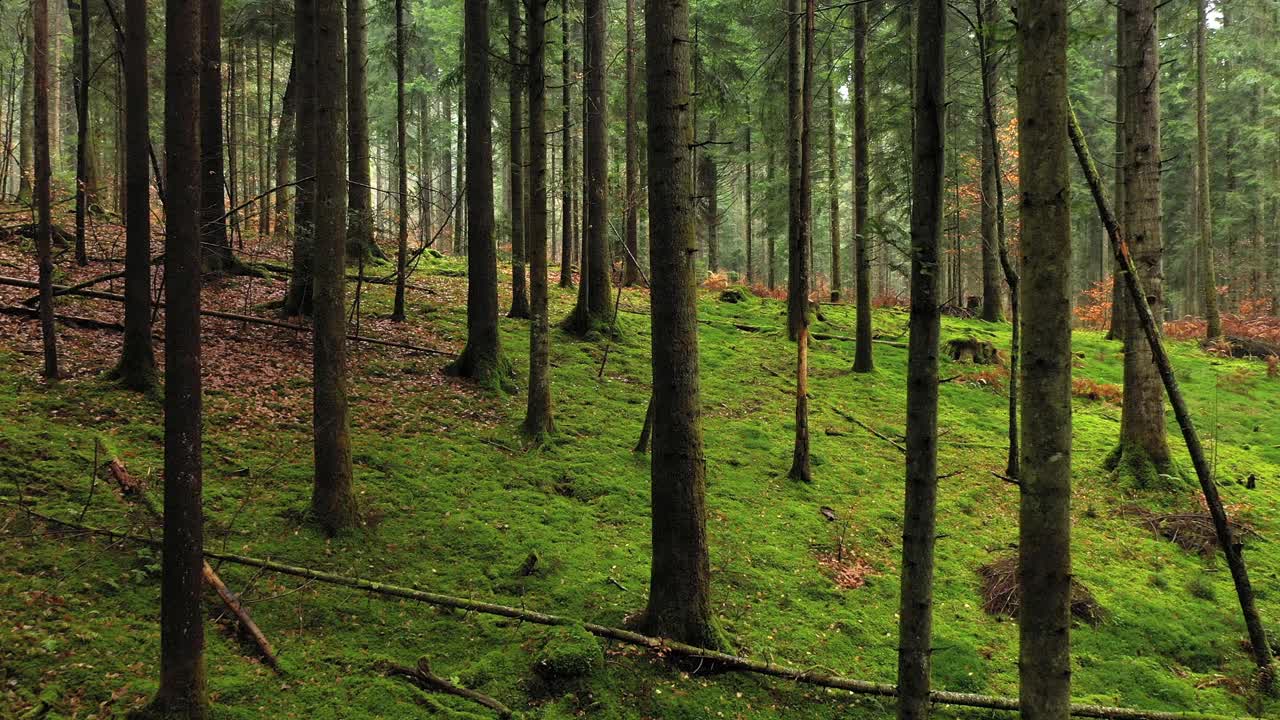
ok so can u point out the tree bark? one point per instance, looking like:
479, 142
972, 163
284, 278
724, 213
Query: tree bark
216, 244
481, 359
631, 198
1044, 523
538, 419
79, 11
515, 93
749, 220
797, 258
359, 205
26, 129
566, 150
1119, 303
710, 187
1208, 277
285, 145
137, 368
298, 300
402, 158
833, 183
447, 190
593, 295
333, 501
182, 690
992, 300
1143, 445
43, 179
802, 233
915, 627
863, 361
679, 604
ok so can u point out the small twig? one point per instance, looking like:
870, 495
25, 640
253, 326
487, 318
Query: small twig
427, 680
1006, 478
870, 429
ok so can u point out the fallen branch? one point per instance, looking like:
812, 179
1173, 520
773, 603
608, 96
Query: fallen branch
870, 429
1222, 526
71, 320
133, 490
251, 319
722, 661
427, 680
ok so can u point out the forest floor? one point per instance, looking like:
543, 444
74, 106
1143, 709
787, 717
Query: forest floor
456, 503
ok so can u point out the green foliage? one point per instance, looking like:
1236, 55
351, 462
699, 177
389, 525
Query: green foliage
568, 657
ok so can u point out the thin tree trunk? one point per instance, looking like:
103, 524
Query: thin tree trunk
515, 92
679, 604
333, 501
285, 145
264, 136
182, 691
802, 232
462, 170
538, 420
863, 360
1044, 522
771, 252
566, 150
43, 178
631, 198
749, 220
481, 359
1119, 303
360, 240
299, 298
833, 183
447, 190
710, 187
915, 626
137, 368
992, 302
402, 158
80, 15
1208, 277
26, 129
797, 265
216, 245
593, 296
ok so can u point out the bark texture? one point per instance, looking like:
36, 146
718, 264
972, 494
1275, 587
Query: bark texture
863, 360
359, 204
516, 119
216, 243
593, 294
537, 419
402, 164
298, 300
992, 300
631, 198
43, 179
1208, 278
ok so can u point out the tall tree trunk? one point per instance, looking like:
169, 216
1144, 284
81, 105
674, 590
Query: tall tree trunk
1044, 521
137, 368
749, 219
710, 186
233, 142
55, 93
299, 298
833, 183
863, 360
915, 625
992, 301
263, 111
481, 359
515, 93
680, 575
447, 190
216, 244
797, 259
285, 144
802, 233
402, 158
43, 179
359, 208
26, 130
770, 251
426, 183
631, 198
1119, 303
182, 691
462, 170
79, 10
537, 419
333, 501
1144, 449
1208, 277
566, 150
593, 296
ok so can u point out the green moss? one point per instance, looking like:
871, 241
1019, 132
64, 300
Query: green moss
569, 656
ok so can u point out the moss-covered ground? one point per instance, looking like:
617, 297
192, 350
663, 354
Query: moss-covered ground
457, 502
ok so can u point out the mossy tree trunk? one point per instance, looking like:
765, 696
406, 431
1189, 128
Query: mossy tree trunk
1044, 521
915, 625
679, 604
333, 501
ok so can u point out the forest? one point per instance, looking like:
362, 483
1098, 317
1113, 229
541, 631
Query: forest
673, 359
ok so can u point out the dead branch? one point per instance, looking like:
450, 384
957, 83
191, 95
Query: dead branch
427, 680
71, 320
870, 429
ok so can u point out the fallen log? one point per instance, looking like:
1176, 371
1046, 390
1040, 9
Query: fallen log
722, 661
71, 320
28, 231
1242, 347
427, 680
251, 319
133, 490
870, 429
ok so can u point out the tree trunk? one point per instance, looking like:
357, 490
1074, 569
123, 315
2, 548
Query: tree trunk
1144, 449
863, 360
285, 144
710, 186
43, 178
137, 368
1119, 303
770, 251
481, 359
182, 691
359, 207
802, 233
833, 183
1044, 523
26, 130
264, 112
402, 159
462, 170
797, 259
566, 150
749, 219
915, 626
216, 244
992, 301
447, 190
593, 295
537, 419
680, 577
333, 501
79, 11
298, 300
631, 198
515, 93
1208, 277
55, 92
